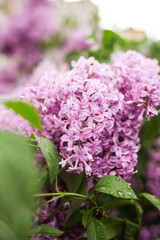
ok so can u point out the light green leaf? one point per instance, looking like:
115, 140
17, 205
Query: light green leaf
116, 187
6, 232
43, 178
45, 229
151, 198
17, 185
96, 230
27, 111
51, 155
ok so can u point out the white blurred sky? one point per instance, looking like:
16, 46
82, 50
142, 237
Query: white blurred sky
139, 14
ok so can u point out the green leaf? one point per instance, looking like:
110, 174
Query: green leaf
104, 200
151, 129
75, 204
117, 226
17, 185
113, 226
87, 217
70, 179
45, 229
116, 187
96, 230
73, 219
65, 199
42, 178
6, 232
109, 38
51, 155
131, 231
151, 198
27, 111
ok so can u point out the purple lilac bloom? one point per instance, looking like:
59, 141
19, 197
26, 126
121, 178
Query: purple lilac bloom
23, 33
97, 103
150, 226
78, 40
153, 170
139, 80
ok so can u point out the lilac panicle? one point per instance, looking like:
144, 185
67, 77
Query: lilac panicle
93, 114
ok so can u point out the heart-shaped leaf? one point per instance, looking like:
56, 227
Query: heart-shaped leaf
116, 187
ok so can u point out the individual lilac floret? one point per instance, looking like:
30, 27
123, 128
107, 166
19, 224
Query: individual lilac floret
22, 34
153, 170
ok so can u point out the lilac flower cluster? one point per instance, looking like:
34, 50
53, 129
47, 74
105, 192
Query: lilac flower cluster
153, 180
94, 112
102, 124
21, 35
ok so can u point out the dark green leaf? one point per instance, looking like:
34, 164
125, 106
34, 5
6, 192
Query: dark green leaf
116, 187
151, 198
151, 129
104, 200
96, 230
131, 231
113, 226
51, 155
65, 199
27, 111
71, 180
73, 219
75, 204
122, 227
45, 229
17, 185
87, 217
